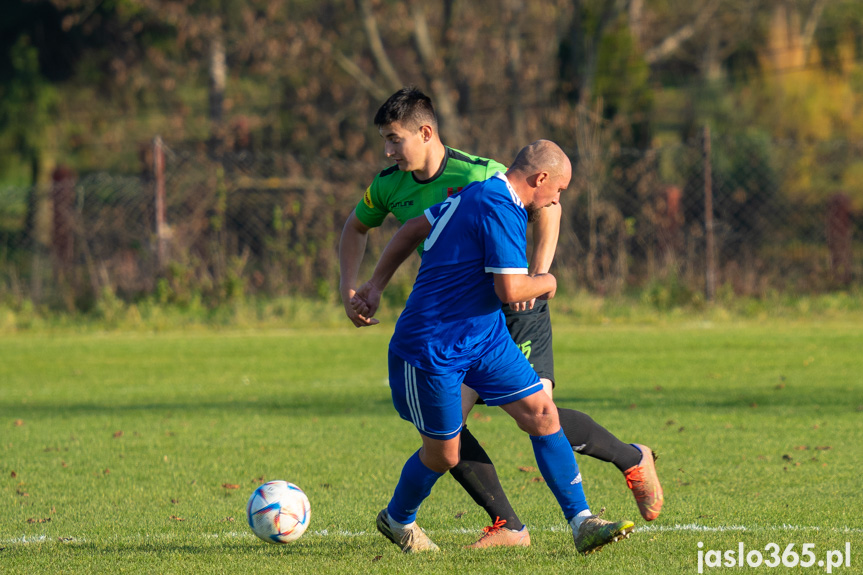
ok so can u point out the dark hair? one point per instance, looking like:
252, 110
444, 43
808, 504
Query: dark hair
410, 107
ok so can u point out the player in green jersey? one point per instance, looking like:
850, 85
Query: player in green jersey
425, 172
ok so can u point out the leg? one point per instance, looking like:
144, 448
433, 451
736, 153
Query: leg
557, 464
419, 475
433, 404
531, 331
475, 472
508, 380
398, 521
537, 415
590, 438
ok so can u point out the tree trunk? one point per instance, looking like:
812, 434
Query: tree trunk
434, 71
514, 10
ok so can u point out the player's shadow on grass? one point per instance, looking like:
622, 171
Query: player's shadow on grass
332, 405
249, 546
716, 398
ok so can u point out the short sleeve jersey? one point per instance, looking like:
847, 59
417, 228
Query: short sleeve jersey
399, 192
453, 312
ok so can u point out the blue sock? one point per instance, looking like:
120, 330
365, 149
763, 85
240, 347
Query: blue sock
558, 467
414, 486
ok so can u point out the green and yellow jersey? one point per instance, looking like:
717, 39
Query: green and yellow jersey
399, 193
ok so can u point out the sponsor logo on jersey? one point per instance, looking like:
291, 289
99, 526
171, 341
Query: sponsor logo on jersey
451, 191
402, 204
367, 198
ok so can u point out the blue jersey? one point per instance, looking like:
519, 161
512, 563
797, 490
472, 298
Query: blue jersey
453, 314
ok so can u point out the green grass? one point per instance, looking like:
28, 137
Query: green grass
115, 448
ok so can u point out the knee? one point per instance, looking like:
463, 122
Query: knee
541, 421
439, 462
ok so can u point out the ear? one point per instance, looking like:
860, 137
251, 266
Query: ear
538, 179
426, 133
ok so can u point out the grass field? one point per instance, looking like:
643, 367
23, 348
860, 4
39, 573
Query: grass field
136, 453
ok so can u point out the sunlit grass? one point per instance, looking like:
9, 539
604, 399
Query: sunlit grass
122, 451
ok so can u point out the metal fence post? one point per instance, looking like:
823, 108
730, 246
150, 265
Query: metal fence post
710, 247
161, 227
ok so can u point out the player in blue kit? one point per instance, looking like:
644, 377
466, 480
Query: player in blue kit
453, 330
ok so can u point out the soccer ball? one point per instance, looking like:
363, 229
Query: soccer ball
278, 512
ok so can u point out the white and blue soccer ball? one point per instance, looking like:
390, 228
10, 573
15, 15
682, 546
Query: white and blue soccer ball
279, 512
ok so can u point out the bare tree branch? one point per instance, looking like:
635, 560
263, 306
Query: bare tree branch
812, 25
433, 67
376, 44
673, 42
361, 77
636, 20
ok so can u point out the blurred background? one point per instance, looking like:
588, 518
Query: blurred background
210, 150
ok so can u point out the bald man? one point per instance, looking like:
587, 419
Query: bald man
453, 331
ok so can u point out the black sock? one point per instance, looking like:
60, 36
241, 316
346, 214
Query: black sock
475, 472
590, 438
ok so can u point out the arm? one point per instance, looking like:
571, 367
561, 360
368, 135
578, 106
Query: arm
512, 288
546, 230
352, 248
409, 237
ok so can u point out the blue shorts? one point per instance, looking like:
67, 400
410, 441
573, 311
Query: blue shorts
432, 401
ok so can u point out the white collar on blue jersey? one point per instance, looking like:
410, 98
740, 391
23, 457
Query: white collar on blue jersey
515, 198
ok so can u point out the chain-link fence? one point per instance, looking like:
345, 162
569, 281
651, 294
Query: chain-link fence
195, 224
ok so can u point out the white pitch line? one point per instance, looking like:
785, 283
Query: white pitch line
691, 527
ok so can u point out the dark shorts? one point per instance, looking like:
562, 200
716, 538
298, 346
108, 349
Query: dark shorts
531, 331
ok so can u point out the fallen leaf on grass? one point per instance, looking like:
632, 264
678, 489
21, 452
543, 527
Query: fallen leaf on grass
376, 558
14, 475
19, 422
787, 457
22, 493
527, 469
175, 518
801, 448
230, 486
460, 514
42, 520
175, 501
118, 434
538, 480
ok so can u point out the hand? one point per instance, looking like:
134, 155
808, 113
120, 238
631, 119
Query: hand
366, 301
549, 294
522, 305
357, 319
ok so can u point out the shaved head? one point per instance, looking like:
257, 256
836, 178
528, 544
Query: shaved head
539, 173
541, 156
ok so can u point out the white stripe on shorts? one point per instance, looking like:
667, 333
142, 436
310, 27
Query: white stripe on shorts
412, 396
